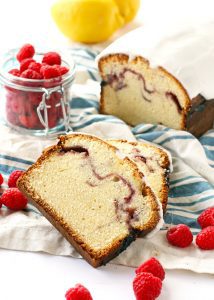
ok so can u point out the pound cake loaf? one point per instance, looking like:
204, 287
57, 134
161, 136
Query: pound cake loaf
96, 197
152, 161
161, 75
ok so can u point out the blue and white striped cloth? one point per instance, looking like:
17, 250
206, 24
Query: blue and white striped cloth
191, 182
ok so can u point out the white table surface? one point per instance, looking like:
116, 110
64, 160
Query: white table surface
33, 276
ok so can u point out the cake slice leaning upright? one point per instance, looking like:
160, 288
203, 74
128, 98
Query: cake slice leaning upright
96, 197
153, 162
161, 75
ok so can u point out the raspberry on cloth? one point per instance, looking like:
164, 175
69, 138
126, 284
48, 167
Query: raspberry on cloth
14, 176
205, 238
180, 236
14, 199
206, 218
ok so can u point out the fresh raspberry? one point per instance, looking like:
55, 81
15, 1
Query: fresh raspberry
1, 179
56, 97
15, 72
35, 66
49, 72
13, 199
20, 104
30, 74
205, 238
35, 98
180, 236
206, 218
14, 176
29, 121
79, 292
25, 64
12, 117
29, 109
16, 105
51, 58
44, 65
152, 266
62, 69
146, 286
27, 51
9, 96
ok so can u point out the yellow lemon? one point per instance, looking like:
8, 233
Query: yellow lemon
87, 21
128, 8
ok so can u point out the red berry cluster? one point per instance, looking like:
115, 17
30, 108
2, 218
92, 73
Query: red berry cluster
21, 106
181, 236
205, 238
49, 67
147, 283
12, 198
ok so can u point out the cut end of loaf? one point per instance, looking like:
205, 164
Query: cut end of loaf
98, 201
138, 93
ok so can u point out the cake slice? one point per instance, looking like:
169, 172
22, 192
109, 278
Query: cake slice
94, 196
137, 93
161, 76
152, 161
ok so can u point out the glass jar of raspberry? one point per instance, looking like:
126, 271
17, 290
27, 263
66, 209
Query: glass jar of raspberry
34, 104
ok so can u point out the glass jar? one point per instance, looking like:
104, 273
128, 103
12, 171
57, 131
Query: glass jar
39, 107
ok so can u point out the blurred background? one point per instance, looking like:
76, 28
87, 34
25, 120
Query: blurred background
31, 21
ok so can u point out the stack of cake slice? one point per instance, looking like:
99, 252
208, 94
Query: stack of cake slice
100, 195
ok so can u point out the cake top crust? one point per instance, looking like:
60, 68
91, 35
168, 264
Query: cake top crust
186, 50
